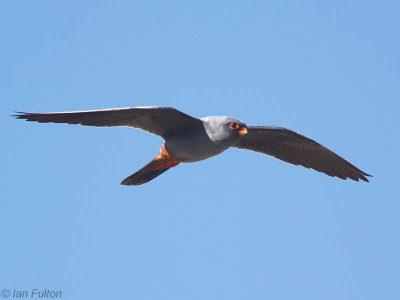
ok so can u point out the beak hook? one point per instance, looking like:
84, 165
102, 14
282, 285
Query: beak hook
243, 131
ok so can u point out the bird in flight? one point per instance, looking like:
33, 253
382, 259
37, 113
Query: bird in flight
188, 139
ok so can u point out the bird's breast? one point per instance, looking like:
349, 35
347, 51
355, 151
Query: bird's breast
193, 146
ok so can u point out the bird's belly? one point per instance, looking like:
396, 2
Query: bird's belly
188, 149
198, 156
189, 154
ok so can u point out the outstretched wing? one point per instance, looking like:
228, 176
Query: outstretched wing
162, 121
297, 149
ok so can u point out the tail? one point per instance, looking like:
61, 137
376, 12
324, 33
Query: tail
161, 163
144, 175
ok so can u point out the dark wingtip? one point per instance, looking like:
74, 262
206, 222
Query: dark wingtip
365, 178
19, 115
356, 177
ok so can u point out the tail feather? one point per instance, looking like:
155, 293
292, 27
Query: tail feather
144, 175
161, 163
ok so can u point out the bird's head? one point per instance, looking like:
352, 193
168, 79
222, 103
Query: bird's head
225, 129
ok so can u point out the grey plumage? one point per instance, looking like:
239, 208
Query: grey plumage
189, 139
162, 121
297, 149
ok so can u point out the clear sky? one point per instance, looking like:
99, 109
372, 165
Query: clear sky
238, 226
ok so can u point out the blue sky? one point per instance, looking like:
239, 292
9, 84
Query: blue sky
238, 226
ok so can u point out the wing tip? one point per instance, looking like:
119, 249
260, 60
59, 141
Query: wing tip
357, 177
365, 175
20, 115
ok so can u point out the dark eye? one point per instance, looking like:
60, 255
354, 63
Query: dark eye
234, 126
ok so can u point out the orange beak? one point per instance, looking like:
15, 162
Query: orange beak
242, 131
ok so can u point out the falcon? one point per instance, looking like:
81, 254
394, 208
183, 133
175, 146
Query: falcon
188, 139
